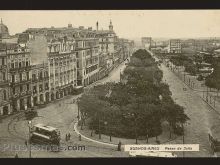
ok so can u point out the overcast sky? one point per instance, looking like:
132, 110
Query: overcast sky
127, 23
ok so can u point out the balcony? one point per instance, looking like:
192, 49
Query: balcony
3, 66
23, 68
20, 82
22, 94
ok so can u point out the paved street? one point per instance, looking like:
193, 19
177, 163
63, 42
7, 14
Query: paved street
63, 115
202, 118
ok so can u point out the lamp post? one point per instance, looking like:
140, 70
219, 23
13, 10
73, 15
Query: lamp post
99, 129
29, 137
135, 128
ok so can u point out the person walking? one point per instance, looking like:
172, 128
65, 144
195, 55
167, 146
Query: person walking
119, 146
66, 137
16, 155
69, 136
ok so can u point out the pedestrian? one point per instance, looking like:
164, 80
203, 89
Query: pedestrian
69, 136
119, 146
66, 137
16, 155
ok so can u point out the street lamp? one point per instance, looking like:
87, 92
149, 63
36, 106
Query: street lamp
184, 135
135, 127
29, 137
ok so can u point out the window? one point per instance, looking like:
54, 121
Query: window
27, 63
40, 76
4, 95
20, 76
21, 88
3, 76
12, 65
3, 61
33, 77
34, 89
16, 64
41, 88
28, 87
46, 86
27, 76
19, 64
13, 78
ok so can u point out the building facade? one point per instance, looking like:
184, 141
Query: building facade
61, 68
146, 42
5, 107
18, 57
175, 46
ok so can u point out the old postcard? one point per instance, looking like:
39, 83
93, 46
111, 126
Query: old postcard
109, 83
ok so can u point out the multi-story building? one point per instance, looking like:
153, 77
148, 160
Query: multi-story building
61, 67
40, 84
108, 46
87, 54
18, 57
174, 46
5, 107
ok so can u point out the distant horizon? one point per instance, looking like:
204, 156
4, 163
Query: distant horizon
126, 23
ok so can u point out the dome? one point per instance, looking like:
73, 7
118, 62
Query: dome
4, 30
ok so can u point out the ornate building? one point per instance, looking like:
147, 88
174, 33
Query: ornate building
5, 107
40, 84
18, 57
4, 33
61, 67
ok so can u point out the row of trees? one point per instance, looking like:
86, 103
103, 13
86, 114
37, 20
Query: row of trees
135, 108
187, 62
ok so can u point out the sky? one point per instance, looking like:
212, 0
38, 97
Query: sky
127, 23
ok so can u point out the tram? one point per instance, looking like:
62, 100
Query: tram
43, 134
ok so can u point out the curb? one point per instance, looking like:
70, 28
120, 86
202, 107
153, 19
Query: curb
92, 140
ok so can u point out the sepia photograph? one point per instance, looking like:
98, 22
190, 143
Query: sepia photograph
109, 83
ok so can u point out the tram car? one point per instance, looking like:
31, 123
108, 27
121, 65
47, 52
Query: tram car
43, 134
